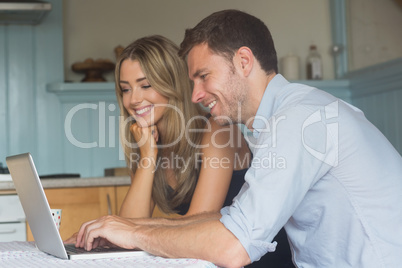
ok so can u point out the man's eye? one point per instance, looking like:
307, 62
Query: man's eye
203, 76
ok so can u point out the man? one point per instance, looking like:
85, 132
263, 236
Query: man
319, 168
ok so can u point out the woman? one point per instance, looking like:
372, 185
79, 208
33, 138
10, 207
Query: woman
179, 158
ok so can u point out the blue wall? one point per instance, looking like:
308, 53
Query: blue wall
32, 118
30, 58
377, 91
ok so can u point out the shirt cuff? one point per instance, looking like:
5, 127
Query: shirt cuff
236, 224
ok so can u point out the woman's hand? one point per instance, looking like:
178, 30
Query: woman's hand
146, 138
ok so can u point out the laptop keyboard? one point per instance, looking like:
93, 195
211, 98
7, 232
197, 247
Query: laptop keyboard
72, 249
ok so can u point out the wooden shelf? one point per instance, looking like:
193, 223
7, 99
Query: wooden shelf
83, 92
59, 88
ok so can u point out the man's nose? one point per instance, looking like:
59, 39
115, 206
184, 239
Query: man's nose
198, 94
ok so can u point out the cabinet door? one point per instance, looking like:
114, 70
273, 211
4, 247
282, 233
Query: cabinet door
12, 232
80, 205
121, 192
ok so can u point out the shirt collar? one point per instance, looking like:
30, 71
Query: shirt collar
266, 107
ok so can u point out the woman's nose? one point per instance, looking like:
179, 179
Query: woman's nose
135, 97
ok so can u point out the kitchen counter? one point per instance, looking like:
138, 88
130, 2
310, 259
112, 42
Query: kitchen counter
74, 182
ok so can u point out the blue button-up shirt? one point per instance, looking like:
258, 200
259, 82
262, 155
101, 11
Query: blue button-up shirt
323, 171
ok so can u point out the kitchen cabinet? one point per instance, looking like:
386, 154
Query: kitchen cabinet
81, 200
12, 218
121, 192
80, 205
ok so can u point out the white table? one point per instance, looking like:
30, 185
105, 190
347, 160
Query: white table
25, 254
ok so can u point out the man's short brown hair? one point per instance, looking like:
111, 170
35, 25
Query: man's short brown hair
226, 31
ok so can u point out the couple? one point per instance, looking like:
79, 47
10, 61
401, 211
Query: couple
337, 193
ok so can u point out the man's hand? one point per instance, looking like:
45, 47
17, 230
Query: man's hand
107, 231
71, 240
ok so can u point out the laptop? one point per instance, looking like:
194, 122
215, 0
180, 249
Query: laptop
37, 212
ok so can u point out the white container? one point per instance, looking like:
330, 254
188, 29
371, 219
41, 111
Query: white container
290, 67
56, 213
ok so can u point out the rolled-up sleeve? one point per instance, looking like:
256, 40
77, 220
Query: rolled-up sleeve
255, 248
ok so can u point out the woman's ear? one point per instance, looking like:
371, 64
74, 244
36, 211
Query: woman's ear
245, 59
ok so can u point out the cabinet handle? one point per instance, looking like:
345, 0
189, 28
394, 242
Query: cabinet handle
10, 231
109, 206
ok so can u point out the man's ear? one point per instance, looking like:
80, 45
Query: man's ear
245, 58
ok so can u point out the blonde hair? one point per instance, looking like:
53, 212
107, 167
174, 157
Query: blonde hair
166, 72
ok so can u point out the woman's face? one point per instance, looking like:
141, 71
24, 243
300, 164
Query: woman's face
139, 98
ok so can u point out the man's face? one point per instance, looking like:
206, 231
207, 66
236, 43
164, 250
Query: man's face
217, 84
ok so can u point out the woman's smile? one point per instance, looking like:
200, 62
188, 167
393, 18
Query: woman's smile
143, 111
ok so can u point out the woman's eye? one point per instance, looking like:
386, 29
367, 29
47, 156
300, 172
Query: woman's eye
146, 86
124, 90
